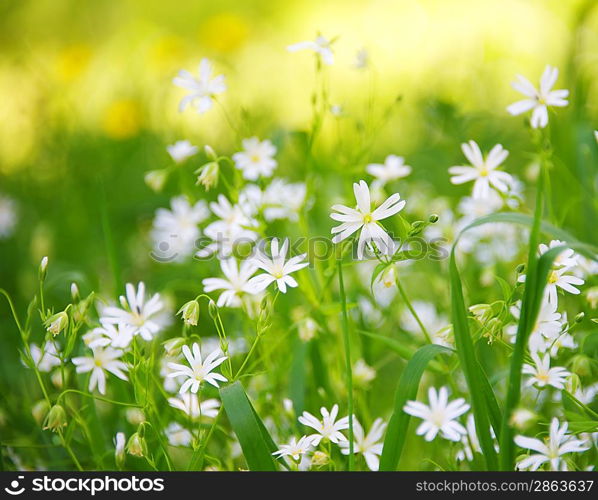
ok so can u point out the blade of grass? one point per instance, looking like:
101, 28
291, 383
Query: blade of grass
406, 390
255, 441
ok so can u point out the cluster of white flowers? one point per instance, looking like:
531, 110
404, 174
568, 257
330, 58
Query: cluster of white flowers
328, 430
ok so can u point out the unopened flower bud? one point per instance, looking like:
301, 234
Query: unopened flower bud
43, 268
135, 416
212, 309
416, 227
433, 219
40, 410
581, 365
520, 268
210, 153
572, 383
320, 459
190, 312
75, 292
57, 322
592, 297
55, 419
155, 179
208, 175
579, 317
119, 449
481, 312
173, 346
136, 445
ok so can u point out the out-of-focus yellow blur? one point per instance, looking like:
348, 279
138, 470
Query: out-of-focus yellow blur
106, 67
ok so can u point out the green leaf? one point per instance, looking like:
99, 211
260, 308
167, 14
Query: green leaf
479, 392
406, 390
256, 443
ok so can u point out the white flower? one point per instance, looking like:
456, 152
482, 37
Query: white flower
8, 216
202, 90
439, 416
370, 445
363, 373
136, 311
321, 46
483, 170
120, 440
559, 278
436, 324
101, 359
295, 449
352, 220
181, 150
177, 435
256, 159
190, 405
393, 168
176, 231
45, 358
541, 373
539, 99
199, 370
567, 258
283, 200
118, 336
277, 268
550, 451
327, 428
235, 284
547, 327
362, 59
232, 227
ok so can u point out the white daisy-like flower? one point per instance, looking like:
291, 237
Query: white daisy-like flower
136, 311
321, 46
369, 445
352, 220
392, 169
439, 415
283, 200
181, 150
547, 328
232, 227
567, 258
198, 369
202, 90
483, 170
8, 216
328, 428
45, 358
559, 278
538, 100
101, 361
277, 268
542, 375
256, 159
189, 404
118, 336
177, 435
295, 448
235, 284
176, 231
551, 450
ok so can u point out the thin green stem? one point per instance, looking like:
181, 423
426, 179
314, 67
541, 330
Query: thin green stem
412, 310
349, 369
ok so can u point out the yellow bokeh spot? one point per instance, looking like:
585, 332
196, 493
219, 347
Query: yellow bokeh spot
72, 61
122, 119
166, 53
224, 32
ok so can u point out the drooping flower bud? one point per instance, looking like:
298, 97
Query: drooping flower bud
57, 322
137, 446
55, 419
190, 312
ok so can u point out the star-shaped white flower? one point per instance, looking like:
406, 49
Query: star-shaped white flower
101, 360
198, 369
181, 150
235, 284
137, 312
328, 428
392, 169
439, 415
295, 449
482, 170
546, 329
551, 451
567, 258
542, 374
277, 268
538, 100
369, 445
321, 46
256, 159
189, 404
352, 220
202, 89
118, 336
559, 278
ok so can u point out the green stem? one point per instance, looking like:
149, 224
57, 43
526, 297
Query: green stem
349, 369
412, 310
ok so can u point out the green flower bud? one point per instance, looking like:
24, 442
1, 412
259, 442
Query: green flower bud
572, 383
173, 346
137, 446
75, 292
212, 309
43, 268
320, 459
433, 219
208, 175
57, 322
55, 419
579, 318
481, 312
155, 179
581, 365
190, 312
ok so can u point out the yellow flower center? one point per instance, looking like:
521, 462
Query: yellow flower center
542, 377
255, 158
367, 218
484, 172
98, 362
553, 278
278, 275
